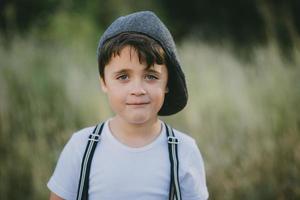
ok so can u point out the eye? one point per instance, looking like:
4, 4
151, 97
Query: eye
151, 77
123, 77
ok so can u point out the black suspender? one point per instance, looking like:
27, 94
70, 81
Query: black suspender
83, 186
174, 193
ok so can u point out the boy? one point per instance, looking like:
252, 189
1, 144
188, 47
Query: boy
138, 157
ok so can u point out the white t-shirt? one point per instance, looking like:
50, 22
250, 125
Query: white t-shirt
122, 172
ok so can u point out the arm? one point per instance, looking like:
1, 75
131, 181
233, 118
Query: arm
64, 180
53, 196
193, 183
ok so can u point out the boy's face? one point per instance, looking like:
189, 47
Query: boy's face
135, 93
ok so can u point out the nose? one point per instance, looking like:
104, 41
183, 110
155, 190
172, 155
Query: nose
137, 88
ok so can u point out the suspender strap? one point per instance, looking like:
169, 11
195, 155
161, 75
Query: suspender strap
174, 193
82, 192
94, 138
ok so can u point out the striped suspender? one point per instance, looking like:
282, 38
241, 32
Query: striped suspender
174, 193
83, 186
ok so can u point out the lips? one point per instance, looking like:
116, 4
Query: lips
137, 103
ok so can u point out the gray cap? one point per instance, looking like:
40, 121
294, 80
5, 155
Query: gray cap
147, 23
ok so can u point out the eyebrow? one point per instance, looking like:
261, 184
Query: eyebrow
128, 70
153, 71
122, 71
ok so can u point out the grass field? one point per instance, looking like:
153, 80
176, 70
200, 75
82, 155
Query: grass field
244, 115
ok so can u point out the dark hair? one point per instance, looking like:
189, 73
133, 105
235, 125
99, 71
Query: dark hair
149, 50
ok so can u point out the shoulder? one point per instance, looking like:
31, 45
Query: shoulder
188, 150
79, 139
82, 133
185, 141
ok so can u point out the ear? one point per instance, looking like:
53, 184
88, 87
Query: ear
103, 84
167, 89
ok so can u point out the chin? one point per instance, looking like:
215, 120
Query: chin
138, 119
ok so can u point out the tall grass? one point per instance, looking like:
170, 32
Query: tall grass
245, 116
246, 119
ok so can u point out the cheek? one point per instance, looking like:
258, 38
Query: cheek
116, 95
158, 94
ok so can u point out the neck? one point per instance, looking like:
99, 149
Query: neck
135, 135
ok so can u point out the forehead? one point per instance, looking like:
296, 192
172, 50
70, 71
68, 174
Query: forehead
128, 59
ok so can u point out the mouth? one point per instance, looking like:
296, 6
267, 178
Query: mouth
137, 103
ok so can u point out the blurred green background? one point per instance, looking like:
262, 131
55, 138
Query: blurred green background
242, 64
